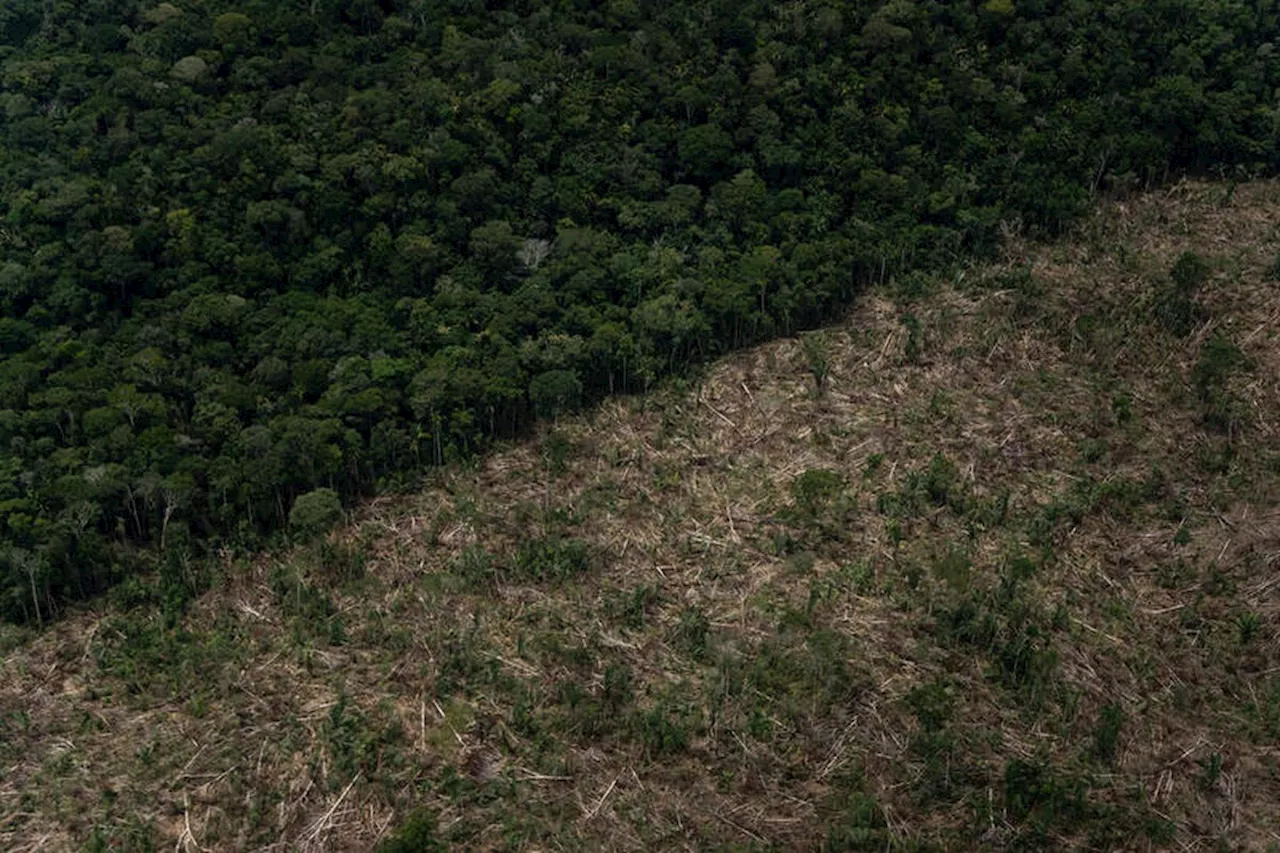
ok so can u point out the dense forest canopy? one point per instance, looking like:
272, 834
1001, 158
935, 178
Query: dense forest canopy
253, 248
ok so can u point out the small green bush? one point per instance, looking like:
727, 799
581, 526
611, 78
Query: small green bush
1189, 272
1033, 791
815, 489
932, 704
1106, 736
914, 347
475, 565
692, 633
1249, 626
661, 732
954, 568
861, 825
816, 351
551, 559
1219, 360
417, 835
555, 452
1176, 308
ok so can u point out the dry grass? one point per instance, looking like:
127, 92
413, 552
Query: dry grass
729, 670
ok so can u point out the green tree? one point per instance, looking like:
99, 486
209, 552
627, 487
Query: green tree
315, 512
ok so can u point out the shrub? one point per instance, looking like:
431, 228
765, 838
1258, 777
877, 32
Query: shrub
417, 835
1219, 360
691, 633
1106, 736
1176, 308
815, 489
551, 559
475, 565
1032, 790
816, 354
861, 825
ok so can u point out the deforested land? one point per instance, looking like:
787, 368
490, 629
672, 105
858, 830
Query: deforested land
991, 563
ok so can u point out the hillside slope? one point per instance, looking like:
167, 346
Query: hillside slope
250, 249
1010, 579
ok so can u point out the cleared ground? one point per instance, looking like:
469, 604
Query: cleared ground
992, 564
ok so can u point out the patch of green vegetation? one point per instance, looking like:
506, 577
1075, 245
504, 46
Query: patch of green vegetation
1091, 449
1176, 574
1249, 626
315, 512
1210, 772
938, 485
872, 465
1028, 293
136, 836
933, 704
1176, 307
858, 825
955, 569
1273, 271
817, 352
550, 559
1219, 360
666, 728
940, 482
1263, 711
475, 565
311, 610
152, 658
1106, 734
1036, 793
913, 349
1122, 408
814, 490
1120, 497
804, 670
556, 449
417, 834
358, 743
635, 608
692, 634
1046, 801
946, 771
1017, 640
465, 661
